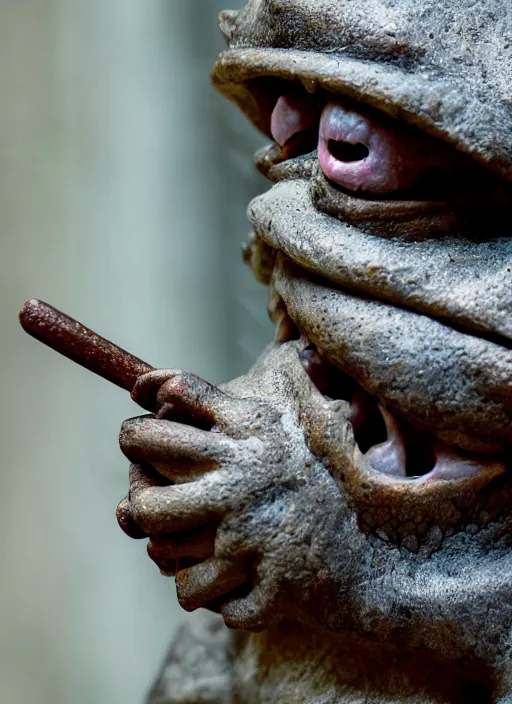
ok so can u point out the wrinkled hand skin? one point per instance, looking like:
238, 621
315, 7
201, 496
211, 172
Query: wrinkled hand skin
272, 529
352, 564
248, 499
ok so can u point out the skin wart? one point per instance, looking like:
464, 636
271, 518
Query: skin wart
344, 507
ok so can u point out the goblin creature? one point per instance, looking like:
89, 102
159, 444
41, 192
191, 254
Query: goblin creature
345, 509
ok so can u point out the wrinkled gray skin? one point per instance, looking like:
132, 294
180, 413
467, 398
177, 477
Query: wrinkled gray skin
344, 584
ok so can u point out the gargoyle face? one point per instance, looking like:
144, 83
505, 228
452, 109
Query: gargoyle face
390, 214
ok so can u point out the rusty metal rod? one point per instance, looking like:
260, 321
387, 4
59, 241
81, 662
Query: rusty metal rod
83, 346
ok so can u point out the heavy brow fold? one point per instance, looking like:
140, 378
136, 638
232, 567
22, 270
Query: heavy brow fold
435, 66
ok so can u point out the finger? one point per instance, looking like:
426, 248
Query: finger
171, 509
329, 431
167, 566
188, 395
198, 545
254, 612
140, 478
178, 451
147, 385
208, 581
178, 395
127, 522
143, 477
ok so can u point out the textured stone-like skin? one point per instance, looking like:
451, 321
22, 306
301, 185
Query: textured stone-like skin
342, 584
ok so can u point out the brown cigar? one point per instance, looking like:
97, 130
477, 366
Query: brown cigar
83, 346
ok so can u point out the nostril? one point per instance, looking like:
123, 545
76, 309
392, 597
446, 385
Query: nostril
344, 151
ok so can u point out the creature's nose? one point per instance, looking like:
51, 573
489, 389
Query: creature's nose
362, 153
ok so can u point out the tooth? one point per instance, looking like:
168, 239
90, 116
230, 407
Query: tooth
227, 23
309, 84
389, 457
294, 113
451, 464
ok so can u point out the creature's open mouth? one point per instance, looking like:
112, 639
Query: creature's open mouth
391, 445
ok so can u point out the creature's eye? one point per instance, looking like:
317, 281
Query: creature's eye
359, 149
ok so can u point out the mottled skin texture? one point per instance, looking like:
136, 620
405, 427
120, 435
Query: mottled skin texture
341, 583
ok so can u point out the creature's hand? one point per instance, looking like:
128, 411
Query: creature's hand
230, 489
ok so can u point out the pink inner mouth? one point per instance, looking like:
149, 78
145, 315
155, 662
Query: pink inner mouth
359, 154
294, 113
358, 150
390, 445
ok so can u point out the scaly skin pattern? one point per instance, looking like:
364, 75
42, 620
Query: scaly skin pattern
344, 508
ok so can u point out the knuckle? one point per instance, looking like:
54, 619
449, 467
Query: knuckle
142, 505
235, 621
122, 509
135, 476
190, 595
135, 437
129, 431
154, 552
125, 430
167, 565
127, 522
161, 548
180, 385
147, 382
123, 515
181, 379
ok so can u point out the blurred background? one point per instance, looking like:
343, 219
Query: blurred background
124, 181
